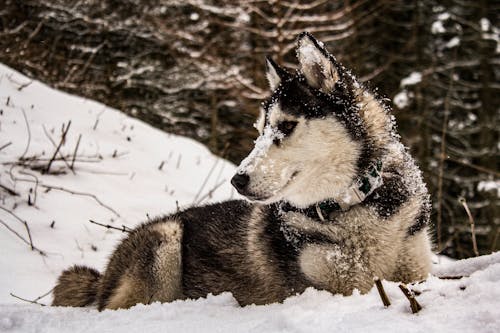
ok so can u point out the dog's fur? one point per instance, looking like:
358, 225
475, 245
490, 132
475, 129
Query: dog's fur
321, 133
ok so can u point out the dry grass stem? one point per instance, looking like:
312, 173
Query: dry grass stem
414, 305
472, 226
122, 229
381, 292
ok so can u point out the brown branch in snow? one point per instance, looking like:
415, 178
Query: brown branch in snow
29, 133
63, 139
9, 190
451, 277
30, 243
74, 153
22, 172
5, 145
59, 188
381, 292
414, 305
24, 85
35, 301
124, 228
471, 221
23, 222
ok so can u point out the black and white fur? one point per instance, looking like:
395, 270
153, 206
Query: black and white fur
321, 133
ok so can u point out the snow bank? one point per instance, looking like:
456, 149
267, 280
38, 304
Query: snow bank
118, 161
471, 304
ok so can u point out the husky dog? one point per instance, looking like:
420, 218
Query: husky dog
335, 200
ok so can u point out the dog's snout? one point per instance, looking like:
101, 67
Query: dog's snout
240, 181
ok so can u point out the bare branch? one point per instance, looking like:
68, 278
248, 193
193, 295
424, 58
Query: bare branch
122, 229
9, 190
30, 243
76, 150
29, 133
63, 139
414, 305
5, 145
381, 292
471, 221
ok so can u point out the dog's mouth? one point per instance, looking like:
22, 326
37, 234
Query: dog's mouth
270, 198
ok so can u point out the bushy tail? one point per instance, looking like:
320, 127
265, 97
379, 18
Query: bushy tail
77, 286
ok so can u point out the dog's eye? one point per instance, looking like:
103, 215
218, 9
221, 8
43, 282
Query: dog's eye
287, 127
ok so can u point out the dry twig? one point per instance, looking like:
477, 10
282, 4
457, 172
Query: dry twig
63, 139
5, 145
35, 301
29, 133
22, 172
414, 305
59, 188
74, 153
471, 221
9, 190
30, 243
381, 292
23, 222
124, 228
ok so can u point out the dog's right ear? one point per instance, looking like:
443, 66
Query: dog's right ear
274, 73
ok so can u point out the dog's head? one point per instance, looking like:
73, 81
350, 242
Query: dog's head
312, 137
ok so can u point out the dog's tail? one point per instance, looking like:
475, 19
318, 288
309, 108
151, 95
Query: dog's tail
76, 286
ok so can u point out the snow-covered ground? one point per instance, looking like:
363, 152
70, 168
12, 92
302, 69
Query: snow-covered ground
129, 186
118, 162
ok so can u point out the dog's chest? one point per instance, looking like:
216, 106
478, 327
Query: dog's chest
329, 253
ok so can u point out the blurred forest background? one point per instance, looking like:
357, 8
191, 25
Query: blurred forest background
196, 68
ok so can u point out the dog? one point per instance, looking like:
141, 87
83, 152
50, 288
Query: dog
334, 200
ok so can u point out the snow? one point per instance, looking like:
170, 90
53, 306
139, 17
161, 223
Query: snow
485, 24
490, 31
401, 99
437, 27
194, 16
133, 185
469, 304
130, 183
262, 145
455, 41
489, 185
444, 16
412, 79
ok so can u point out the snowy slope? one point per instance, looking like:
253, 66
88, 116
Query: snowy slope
132, 185
129, 184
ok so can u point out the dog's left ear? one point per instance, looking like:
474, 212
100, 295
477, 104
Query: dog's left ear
316, 63
274, 73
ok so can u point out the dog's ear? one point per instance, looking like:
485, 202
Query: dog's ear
316, 63
274, 73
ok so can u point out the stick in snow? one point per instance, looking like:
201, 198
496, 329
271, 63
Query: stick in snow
381, 292
35, 301
471, 221
414, 305
122, 229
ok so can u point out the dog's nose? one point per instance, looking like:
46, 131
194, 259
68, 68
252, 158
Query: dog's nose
240, 181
